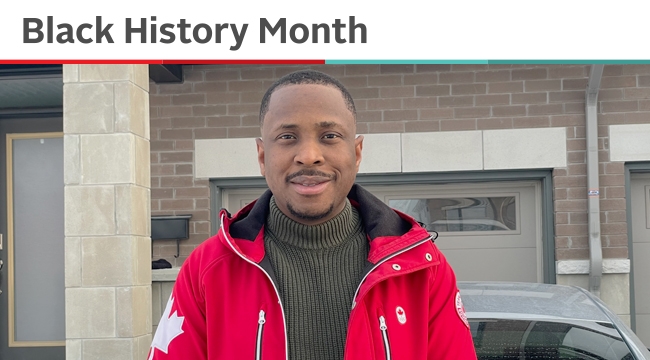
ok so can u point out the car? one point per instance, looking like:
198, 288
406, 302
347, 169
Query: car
525, 321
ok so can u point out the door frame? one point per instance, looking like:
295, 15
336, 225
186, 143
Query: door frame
543, 175
630, 169
12, 342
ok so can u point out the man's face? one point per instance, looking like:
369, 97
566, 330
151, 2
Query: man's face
308, 151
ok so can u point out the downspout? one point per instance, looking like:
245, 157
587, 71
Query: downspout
593, 187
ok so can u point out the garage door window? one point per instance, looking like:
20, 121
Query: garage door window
462, 214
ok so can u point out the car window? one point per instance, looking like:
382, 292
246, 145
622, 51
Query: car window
546, 340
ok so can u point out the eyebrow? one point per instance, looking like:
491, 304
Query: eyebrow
322, 125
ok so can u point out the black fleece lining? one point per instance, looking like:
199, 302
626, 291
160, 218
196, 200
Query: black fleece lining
378, 219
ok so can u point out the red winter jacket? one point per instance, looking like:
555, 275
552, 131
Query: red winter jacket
225, 304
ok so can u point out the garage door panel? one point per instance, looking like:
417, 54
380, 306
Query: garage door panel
641, 274
493, 264
481, 242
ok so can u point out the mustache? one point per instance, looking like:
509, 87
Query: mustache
309, 172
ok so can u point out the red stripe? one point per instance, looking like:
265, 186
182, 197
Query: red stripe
185, 62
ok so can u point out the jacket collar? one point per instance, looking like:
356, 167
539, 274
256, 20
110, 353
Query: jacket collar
388, 230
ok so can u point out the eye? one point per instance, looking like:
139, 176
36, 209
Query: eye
286, 137
330, 136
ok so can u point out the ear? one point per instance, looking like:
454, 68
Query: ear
358, 146
260, 155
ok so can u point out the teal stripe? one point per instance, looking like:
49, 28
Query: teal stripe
409, 62
483, 62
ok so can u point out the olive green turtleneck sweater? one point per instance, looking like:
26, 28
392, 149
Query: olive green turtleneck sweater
318, 269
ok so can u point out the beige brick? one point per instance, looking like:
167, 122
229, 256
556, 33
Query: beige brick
70, 73
176, 157
83, 304
97, 73
88, 108
119, 349
214, 89
72, 163
362, 70
560, 72
132, 210
256, 73
368, 116
355, 81
90, 210
567, 120
131, 109
133, 310
72, 262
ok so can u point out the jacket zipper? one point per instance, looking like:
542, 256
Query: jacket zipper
260, 328
384, 336
354, 299
277, 293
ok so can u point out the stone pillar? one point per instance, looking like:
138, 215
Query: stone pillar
107, 211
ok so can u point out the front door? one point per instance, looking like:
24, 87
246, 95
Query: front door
32, 304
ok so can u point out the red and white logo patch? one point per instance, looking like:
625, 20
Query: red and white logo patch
460, 310
401, 315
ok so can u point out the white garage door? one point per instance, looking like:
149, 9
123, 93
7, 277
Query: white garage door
488, 231
640, 202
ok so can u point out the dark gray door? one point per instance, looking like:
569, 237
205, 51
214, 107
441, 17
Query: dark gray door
32, 311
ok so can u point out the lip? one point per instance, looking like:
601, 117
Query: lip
309, 185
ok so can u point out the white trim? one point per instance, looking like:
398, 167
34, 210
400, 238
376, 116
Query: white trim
580, 267
162, 275
409, 152
629, 142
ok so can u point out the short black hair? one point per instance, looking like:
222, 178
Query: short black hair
307, 77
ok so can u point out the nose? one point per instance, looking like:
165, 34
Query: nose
309, 153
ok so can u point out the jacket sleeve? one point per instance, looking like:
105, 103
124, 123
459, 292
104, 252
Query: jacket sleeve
181, 332
449, 332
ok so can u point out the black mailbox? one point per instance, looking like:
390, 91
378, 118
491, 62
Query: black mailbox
171, 227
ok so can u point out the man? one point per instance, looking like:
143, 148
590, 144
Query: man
317, 267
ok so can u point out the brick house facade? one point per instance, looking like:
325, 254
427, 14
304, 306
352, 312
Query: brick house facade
223, 102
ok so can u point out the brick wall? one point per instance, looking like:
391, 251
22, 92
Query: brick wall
223, 102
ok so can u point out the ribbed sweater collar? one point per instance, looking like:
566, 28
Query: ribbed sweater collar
329, 234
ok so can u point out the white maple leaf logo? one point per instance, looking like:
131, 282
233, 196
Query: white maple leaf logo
169, 328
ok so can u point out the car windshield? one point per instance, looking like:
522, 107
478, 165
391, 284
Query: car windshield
534, 339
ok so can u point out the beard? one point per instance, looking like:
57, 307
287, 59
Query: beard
310, 215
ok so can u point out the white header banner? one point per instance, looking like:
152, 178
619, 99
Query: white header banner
333, 30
